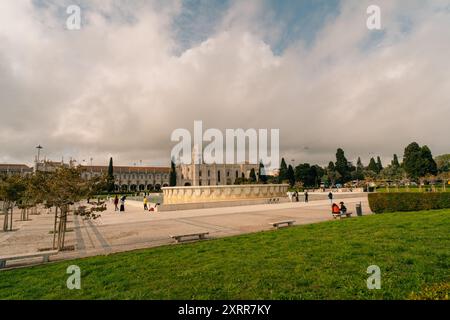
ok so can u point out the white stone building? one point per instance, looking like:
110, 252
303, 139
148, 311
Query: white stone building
128, 178
213, 174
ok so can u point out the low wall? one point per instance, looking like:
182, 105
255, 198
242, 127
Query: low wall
220, 204
205, 194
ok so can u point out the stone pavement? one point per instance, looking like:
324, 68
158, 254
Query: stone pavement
136, 228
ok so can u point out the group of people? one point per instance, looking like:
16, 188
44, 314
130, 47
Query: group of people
122, 203
147, 207
341, 209
122, 200
294, 196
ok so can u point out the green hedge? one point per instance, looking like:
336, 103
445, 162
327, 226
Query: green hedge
408, 201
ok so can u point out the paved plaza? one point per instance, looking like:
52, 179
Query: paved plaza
136, 228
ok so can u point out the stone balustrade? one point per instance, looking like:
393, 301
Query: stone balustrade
202, 194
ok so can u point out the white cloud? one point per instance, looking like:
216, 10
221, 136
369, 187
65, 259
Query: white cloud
117, 88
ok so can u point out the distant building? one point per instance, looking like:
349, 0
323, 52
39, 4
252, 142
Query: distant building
129, 178
213, 174
50, 166
202, 174
15, 169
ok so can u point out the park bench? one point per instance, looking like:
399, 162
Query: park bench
342, 215
44, 254
281, 224
179, 238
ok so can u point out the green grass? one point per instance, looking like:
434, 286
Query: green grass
320, 261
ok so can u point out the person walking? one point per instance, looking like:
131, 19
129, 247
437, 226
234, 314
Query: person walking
330, 196
306, 196
116, 203
145, 203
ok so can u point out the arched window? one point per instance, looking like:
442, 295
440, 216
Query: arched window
218, 176
237, 174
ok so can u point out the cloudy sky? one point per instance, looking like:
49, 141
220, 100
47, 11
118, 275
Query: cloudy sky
137, 70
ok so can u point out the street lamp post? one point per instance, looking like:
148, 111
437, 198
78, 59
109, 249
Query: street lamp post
39, 148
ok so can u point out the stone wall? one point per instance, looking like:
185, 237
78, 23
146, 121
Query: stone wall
203, 194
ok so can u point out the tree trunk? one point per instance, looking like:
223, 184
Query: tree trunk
5, 221
11, 218
62, 227
54, 227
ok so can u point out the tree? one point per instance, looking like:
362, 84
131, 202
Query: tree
252, 175
418, 161
173, 174
443, 163
358, 174
64, 188
262, 173
395, 162
429, 166
302, 174
11, 192
379, 165
291, 176
332, 174
282, 175
342, 165
110, 185
372, 166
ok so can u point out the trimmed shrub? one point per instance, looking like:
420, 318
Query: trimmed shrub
408, 201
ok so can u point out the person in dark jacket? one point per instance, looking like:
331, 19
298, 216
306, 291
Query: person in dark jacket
116, 203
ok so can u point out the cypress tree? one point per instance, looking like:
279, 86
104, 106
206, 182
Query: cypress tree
342, 166
291, 176
173, 174
252, 175
283, 171
262, 173
379, 165
395, 162
372, 165
110, 177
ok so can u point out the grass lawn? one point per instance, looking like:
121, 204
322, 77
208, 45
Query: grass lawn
320, 261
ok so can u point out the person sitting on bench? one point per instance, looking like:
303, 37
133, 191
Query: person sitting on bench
335, 209
343, 208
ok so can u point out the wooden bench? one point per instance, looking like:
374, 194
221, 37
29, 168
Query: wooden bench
44, 254
342, 215
281, 224
200, 236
